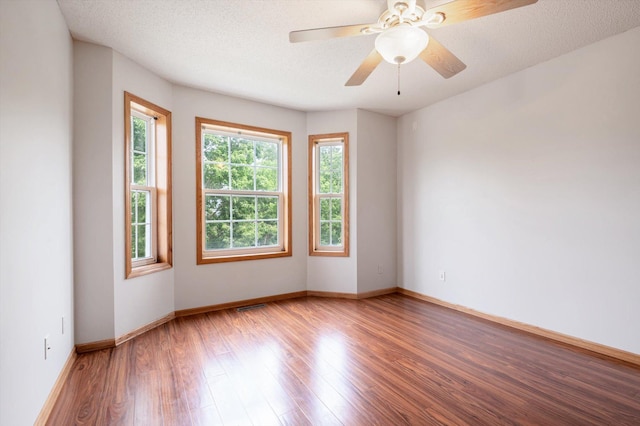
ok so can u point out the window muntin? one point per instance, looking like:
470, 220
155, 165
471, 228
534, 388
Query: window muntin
243, 192
148, 218
328, 192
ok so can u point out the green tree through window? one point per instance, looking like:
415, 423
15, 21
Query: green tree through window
328, 189
242, 191
142, 187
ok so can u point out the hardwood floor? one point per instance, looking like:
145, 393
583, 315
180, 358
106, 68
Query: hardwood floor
389, 360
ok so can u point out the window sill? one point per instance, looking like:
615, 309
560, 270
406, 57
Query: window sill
148, 269
202, 260
329, 253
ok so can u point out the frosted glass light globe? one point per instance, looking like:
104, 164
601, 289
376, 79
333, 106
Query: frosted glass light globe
401, 44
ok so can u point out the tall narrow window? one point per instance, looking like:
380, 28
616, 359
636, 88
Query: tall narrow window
143, 190
329, 195
148, 187
243, 203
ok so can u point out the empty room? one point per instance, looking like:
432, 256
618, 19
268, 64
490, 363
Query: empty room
309, 212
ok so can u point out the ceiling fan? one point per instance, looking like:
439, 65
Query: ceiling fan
401, 37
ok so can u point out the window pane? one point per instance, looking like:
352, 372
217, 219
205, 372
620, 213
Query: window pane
216, 176
142, 241
149, 237
143, 197
217, 207
218, 236
267, 207
336, 233
244, 208
244, 234
325, 206
134, 237
325, 233
134, 199
325, 182
242, 177
139, 134
336, 209
241, 151
215, 148
139, 169
266, 179
336, 183
268, 233
325, 157
325, 169
266, 154
336, 170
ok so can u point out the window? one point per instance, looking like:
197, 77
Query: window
244, 200
148, 187
329, 195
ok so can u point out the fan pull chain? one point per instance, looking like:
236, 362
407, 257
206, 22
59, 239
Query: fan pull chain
398, 78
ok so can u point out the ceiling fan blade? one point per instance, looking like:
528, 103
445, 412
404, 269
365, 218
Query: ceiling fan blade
463, 10
366, 67
441, 59
329, 32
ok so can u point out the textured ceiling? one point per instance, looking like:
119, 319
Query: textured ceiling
241, 47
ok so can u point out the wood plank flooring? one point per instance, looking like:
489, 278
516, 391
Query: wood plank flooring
389, 360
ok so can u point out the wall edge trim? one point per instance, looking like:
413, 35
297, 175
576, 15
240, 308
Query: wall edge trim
575, 342
353, 296
51, 400
141, 330
95, 346
239, 303
379, 292
332, 294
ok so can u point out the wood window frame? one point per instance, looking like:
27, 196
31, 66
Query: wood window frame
285, 248
160, 190
314, 212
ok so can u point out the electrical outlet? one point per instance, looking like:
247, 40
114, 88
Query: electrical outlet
47, 346
62, 325
443, 276
380, 270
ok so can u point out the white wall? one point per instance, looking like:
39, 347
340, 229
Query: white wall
203, 285
141, 300
372, 204
92, 193
376, 196
36, 265
336, 274
108, 305
526, 191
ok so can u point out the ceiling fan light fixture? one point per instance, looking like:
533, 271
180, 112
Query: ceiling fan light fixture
401, 44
